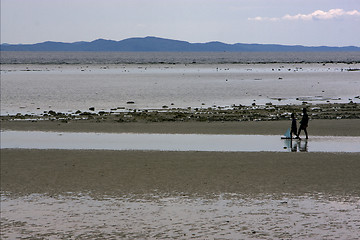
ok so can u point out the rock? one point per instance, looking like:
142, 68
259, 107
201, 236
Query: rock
85, 114
92, 109
51, 112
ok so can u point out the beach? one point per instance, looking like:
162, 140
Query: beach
182, 195
69, 193
174, 173
304, 168
318, 127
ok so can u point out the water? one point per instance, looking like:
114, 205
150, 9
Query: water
175, 142
37, 88
34, 82
177, 57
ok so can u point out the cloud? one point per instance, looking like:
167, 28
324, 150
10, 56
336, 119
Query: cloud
263, 19
317, 15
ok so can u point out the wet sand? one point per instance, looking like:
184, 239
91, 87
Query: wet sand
144, 172
42, 171
98, 194
318, 127
180, 195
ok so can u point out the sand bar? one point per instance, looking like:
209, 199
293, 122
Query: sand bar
125, 172
319, 127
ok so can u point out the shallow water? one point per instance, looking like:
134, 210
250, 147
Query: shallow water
34, 89
175, 142
175, 57
225, 216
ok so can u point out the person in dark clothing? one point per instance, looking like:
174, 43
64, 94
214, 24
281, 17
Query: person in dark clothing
304, 123
293, 127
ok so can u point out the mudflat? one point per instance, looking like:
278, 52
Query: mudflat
103, 194
30, 171
180, 195
194, 173
318, 127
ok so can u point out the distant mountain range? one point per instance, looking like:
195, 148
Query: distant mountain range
154, 44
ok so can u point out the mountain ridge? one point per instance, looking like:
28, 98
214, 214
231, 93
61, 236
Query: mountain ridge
155, 44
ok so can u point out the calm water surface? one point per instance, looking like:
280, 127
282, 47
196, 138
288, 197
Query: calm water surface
176, 57
175, 142
33, 82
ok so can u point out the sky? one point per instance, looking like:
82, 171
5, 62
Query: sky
288, 22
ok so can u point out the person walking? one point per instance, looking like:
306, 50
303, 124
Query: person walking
304, 123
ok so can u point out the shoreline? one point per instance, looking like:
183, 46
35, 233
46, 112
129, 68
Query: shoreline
325, 120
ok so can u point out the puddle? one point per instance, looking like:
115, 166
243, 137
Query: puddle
175, 142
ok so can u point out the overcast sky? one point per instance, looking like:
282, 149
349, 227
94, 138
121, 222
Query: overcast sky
290, 22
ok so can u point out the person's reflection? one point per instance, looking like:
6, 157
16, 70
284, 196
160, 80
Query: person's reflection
303, 147
297, 145
294, 146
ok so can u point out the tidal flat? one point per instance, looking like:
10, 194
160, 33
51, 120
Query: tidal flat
180, 195
69, 88
175, 194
